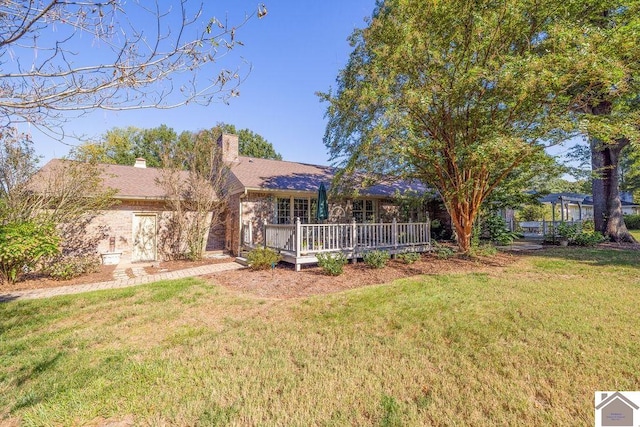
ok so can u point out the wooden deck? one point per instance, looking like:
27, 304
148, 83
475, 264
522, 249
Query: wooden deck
300, 243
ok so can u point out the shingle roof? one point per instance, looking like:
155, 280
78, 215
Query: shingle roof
266, 174
130, 182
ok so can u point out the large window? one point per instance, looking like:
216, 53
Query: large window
301, 210
283, 211
364, 210
290, 208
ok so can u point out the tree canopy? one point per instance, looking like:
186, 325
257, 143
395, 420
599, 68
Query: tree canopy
123, 145
62, 56
458, 94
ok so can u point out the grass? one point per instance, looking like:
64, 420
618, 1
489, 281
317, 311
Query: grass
529, 344
636, 234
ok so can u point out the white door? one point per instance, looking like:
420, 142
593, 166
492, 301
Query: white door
144, 237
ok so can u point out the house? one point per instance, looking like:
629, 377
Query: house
259, 191
615, 410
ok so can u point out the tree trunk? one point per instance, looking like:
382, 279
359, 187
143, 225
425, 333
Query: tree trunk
462, 220
607, 207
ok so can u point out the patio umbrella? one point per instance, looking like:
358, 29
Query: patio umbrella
322, 209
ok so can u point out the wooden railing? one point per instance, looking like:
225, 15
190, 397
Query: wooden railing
308, 239
542, 228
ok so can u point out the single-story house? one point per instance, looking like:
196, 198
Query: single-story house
259, 191
579, 207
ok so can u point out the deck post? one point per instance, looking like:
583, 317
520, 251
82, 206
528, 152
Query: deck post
298, 238
394, 233
354, 241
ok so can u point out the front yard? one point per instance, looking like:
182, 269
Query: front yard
524, 343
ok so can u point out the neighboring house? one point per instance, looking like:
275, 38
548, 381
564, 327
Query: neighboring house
571, 207
259, 191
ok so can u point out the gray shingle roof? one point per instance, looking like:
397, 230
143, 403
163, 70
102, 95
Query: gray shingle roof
266, 174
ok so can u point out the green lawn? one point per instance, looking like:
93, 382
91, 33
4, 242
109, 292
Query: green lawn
528, 345
636, 234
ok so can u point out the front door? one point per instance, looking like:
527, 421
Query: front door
144, 237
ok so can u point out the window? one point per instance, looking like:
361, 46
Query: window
301, 210
283, 211
363, 210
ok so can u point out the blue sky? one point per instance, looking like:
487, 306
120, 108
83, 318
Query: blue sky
295, 51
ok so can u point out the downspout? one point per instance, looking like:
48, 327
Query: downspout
240, 215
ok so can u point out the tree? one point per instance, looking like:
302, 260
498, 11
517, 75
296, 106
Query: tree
606, 51
61, 56
64, 196
123, 145
194, 180
460, 106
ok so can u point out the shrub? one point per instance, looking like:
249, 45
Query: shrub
484, 250
263, 258
568, 231
588, 238
376, 259
332, 263
66, 268
409, 257
495, 228
632, 222
441, 251
23, 245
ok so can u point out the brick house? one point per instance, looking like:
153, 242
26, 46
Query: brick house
259, 191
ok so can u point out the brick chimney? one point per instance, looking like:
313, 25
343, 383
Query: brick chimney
140, 163
229, 147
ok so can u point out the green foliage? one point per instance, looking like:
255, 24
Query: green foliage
332, 263
495, 229
408, 257
263, 258
484, 250
65, 268
376, 259
412, 105
531, 212
632, 222
568, 231
442, 251
23, 245
588, 238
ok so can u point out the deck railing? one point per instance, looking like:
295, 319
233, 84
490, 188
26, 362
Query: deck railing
309, 239
543, 228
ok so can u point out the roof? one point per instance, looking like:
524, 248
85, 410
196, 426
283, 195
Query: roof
585, 199
278, 175
129, 182
617, 395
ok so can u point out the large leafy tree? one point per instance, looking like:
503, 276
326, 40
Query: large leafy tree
454, 93
123, 145
62, 56
605, 40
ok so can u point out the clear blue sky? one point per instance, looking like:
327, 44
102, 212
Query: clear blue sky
295, 51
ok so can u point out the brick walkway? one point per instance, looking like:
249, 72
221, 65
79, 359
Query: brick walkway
120, 283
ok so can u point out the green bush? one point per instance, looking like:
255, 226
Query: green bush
409, 257
23, 245
332, 263
441, 251
632, 222
263, 258
588, 238
484, 250
495, 229
376, 259
66, 268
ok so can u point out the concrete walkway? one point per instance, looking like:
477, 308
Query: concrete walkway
119, 283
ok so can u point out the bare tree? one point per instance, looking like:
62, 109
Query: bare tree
62, 56
194, 180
